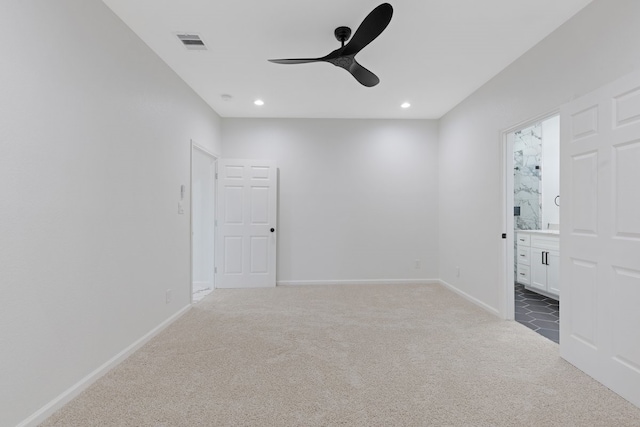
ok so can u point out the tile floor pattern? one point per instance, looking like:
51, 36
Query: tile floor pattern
540, 313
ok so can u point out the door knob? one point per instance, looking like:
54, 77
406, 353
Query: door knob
273, 229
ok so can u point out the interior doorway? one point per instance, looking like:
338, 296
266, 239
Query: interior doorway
532, 199
203, 216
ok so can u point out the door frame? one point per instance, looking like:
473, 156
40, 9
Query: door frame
196, 147
507, 303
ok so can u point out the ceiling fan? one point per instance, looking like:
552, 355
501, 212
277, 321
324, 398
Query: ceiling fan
344, 57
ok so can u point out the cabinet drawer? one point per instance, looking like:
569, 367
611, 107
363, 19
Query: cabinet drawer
523, 275
523, 239
546, 242
524, 255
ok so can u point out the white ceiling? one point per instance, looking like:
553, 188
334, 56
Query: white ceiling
433, 54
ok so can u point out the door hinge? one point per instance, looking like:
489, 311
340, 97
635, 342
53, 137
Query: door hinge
215, 270
215, 222
216, 175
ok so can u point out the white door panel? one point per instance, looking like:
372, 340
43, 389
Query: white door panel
600, 231
248, 214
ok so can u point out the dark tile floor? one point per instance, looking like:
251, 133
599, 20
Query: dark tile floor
540, 313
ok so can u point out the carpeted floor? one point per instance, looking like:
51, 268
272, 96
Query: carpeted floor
345, 356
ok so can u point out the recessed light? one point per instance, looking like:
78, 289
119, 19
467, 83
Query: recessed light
258, 102
405, 105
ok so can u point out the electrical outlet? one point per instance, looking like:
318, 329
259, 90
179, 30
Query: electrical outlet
180, 208
457, 271
417, 265
168, 296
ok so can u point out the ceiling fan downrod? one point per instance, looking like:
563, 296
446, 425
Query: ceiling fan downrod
342, 34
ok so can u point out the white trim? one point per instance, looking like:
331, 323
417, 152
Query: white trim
195, 146
204, 150
530, 122
507, 302
192, 146
358, 282
470, 298
505, 273
202, 285
65, 397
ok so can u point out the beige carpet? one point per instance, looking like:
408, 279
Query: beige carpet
345, 356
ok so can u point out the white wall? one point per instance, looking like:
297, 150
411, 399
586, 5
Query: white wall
550, 171
600, 44
94, 144
358, 198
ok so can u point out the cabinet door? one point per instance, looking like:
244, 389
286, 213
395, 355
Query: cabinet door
538, 269
553, 272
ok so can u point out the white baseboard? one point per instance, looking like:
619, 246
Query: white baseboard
65, 397
393, 282
201, 286
469, 298
68, 395
359, 282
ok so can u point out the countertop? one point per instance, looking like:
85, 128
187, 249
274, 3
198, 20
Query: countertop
551, 232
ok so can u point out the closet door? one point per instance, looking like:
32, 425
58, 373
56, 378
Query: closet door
246, 232
600, 232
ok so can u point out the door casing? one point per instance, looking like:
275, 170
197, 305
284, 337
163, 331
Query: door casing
507, 305
202, 150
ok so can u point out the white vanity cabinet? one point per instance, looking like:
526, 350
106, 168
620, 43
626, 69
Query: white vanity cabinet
538, 266
545, 270
523, 255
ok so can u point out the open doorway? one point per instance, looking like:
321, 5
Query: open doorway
532, 194
203, 210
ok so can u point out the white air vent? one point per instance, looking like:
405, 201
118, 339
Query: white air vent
192, 41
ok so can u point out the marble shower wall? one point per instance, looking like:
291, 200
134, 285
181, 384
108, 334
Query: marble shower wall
527, 158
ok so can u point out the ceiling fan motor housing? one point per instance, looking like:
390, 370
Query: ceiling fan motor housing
342, 34
342, 61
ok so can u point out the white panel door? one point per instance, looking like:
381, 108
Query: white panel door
600, 232
246, 232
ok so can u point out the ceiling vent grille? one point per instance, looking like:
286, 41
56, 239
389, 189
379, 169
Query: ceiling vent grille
192, 41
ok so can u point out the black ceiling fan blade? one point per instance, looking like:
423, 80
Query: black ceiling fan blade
372, 26
364, 76
296, 61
